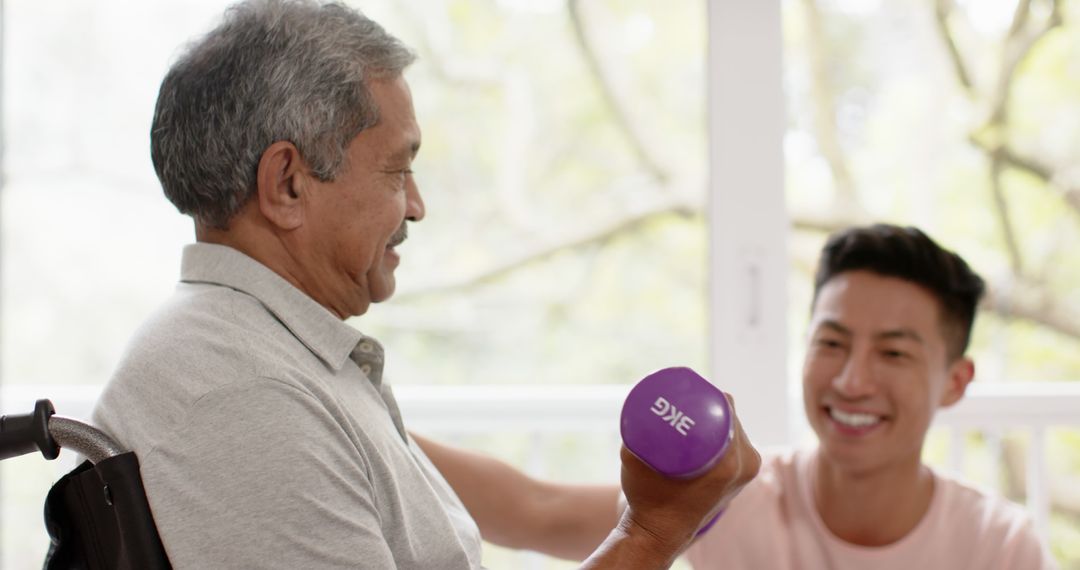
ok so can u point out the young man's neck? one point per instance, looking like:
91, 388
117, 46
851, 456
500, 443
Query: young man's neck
873, 508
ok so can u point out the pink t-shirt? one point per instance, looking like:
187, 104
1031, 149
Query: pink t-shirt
773, 525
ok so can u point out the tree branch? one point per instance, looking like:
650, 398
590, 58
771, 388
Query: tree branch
942, 10
1020, 18
1036, 306
562, 244
1018, 46
636, 135
1044, 172
824, 111
1001, 206
1033, 306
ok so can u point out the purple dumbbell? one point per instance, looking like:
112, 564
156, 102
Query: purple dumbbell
678, 423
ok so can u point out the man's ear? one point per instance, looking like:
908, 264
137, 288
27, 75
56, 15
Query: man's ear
282, 180
960, 374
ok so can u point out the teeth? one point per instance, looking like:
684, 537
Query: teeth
853, 419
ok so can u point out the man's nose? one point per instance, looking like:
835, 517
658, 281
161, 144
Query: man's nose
414, 203
856, 379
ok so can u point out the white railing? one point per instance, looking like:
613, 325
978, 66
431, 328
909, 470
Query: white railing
995, 407
544, 410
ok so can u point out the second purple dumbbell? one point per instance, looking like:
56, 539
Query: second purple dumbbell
678, 423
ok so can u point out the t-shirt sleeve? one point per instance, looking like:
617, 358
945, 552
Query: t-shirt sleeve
1021, 548
261, 476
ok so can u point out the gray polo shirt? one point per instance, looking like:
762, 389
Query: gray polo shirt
267, 438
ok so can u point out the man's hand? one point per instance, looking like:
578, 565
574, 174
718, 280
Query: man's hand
664, 514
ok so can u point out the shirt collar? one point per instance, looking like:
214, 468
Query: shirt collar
323, 333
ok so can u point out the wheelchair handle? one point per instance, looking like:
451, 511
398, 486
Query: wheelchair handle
42, 430
87, 440
23, 433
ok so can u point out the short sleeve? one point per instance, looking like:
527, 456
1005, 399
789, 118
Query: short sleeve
261, 476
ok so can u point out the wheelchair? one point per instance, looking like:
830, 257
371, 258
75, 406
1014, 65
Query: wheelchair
97, 515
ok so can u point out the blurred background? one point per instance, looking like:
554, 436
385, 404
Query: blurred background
584, 175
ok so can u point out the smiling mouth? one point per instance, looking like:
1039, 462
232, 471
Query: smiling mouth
856, 420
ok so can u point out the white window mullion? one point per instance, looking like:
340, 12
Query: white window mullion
748, 224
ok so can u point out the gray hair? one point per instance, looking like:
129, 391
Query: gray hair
273, 70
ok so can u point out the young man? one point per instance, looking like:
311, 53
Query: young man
891, 320
266, 434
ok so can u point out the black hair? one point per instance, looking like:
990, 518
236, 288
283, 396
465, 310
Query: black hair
909, 254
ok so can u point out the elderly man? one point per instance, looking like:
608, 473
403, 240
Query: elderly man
266, 433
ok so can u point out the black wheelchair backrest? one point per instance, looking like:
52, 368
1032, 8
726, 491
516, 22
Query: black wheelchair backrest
97, 516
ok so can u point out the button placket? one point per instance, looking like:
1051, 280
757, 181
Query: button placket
368, 356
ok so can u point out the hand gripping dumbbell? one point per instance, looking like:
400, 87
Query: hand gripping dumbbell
678, 423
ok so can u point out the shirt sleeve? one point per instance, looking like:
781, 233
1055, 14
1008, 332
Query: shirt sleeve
261, 476
1022, 549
